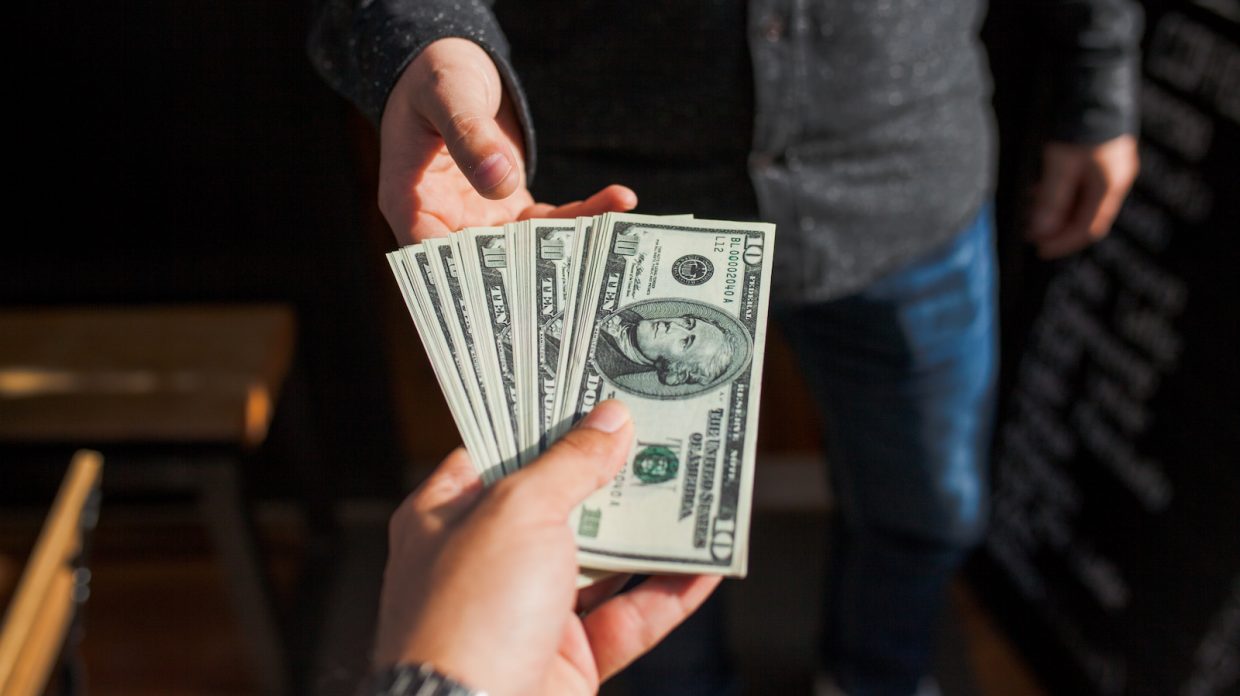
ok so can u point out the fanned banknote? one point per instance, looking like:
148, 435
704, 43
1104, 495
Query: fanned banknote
530, 325
673, 321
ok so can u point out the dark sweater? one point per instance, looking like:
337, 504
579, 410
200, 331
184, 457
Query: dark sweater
861, 128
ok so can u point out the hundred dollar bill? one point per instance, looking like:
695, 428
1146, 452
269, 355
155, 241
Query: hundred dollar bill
676, 328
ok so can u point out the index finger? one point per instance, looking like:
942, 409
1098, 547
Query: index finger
625, 627
611, 199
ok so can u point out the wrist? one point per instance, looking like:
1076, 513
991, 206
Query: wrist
444, 647
419, 679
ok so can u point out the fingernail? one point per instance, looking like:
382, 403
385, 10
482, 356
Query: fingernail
608, 417
491, 171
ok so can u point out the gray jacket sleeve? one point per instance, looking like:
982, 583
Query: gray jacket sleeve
361, 47
1094, 49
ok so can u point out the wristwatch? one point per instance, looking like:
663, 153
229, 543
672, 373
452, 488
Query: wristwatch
410, 679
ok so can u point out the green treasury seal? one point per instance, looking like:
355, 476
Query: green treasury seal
655, 464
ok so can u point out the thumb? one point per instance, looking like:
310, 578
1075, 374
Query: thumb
581, 461
1056, 190
463, 95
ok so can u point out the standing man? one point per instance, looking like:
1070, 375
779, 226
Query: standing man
863, 130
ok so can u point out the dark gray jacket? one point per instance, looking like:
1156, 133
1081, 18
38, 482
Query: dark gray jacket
862, 128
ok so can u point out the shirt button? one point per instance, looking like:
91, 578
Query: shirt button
772, 29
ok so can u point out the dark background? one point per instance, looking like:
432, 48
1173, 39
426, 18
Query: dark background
186, 152
1113, 556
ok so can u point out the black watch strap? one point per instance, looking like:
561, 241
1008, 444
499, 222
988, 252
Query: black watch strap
419, 680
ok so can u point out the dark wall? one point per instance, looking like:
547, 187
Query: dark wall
185, 151
1114, 555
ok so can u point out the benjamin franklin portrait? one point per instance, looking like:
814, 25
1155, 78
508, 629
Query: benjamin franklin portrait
671, 348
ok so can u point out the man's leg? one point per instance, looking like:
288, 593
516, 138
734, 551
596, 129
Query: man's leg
904, 374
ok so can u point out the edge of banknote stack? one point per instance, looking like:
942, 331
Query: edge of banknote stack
529, 325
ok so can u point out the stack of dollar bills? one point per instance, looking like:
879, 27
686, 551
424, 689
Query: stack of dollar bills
529, 325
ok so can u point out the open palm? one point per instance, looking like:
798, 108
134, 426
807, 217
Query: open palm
451, 150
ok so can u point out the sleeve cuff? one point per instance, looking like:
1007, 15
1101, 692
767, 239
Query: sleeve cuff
388, 39
1098, 73
1096, 105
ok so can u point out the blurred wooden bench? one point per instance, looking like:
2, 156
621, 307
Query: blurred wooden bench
37, 624
177, 396
200, 374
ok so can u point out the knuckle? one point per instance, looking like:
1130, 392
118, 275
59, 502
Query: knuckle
429, 82
434, 87
1112, 178
462, 127
438, 78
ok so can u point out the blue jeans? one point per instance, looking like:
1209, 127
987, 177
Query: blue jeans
903, 373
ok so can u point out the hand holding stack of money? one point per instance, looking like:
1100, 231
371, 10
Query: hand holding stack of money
529, 325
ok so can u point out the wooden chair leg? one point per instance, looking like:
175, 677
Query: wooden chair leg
231, 527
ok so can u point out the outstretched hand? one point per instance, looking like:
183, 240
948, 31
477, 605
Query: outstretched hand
481, 584
451, 151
